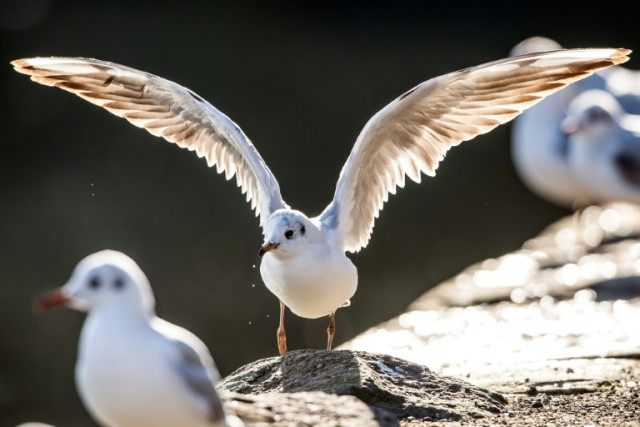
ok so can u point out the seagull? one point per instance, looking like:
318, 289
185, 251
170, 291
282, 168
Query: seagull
135, 369
304, 261
604, 146
541, 149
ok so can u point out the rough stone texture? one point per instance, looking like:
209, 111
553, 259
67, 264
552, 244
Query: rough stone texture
555, 326
388, 385
304, 409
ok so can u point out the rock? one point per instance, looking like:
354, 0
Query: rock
386, 384
554, 326
539, 340
304, 409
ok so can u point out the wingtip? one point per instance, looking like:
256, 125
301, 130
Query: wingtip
36, 62
621, 55
19, 63
35, 67
23, 65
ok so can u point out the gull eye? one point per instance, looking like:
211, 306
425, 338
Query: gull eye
288, 234
94, 282
597, 115
303, 230
118, 283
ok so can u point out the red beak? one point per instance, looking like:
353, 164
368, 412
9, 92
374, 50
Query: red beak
54, 298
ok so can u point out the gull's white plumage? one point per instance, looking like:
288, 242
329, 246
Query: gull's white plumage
311, 275
604, 144
170, 111
408, 137
134, 369
412, 134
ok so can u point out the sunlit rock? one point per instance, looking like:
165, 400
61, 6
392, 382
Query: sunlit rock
553, 326
386, 384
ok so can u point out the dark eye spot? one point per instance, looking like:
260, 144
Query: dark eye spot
118, 283
597, 115
288, 234
94, 282
303, 230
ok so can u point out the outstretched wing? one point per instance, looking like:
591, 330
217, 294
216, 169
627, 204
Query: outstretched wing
168, 110
412, 134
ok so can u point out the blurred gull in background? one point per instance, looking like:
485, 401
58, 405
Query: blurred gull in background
135, 369
576, 148
604, 147
304, 262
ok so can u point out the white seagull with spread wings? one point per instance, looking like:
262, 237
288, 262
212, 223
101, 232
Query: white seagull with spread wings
304, 262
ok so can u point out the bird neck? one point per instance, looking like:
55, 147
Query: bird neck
119, 316
110, 332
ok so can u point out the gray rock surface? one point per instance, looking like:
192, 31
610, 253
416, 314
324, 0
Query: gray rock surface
386, 384
304, 409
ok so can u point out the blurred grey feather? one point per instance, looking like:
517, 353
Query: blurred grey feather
200, 376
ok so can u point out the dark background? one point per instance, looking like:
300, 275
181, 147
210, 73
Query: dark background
301, 80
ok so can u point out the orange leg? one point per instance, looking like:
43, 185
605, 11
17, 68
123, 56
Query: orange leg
331, 330
281, 334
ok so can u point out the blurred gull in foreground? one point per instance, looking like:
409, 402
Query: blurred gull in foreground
598, 161
304, 262
134, 369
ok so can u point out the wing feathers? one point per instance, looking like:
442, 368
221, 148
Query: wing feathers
167, 110
412, 134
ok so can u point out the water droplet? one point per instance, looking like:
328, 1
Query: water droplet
253, 285
268, 315
250, 323
253, 266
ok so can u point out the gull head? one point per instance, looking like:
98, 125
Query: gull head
534, 45
288, 233
604, 147
106, 279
